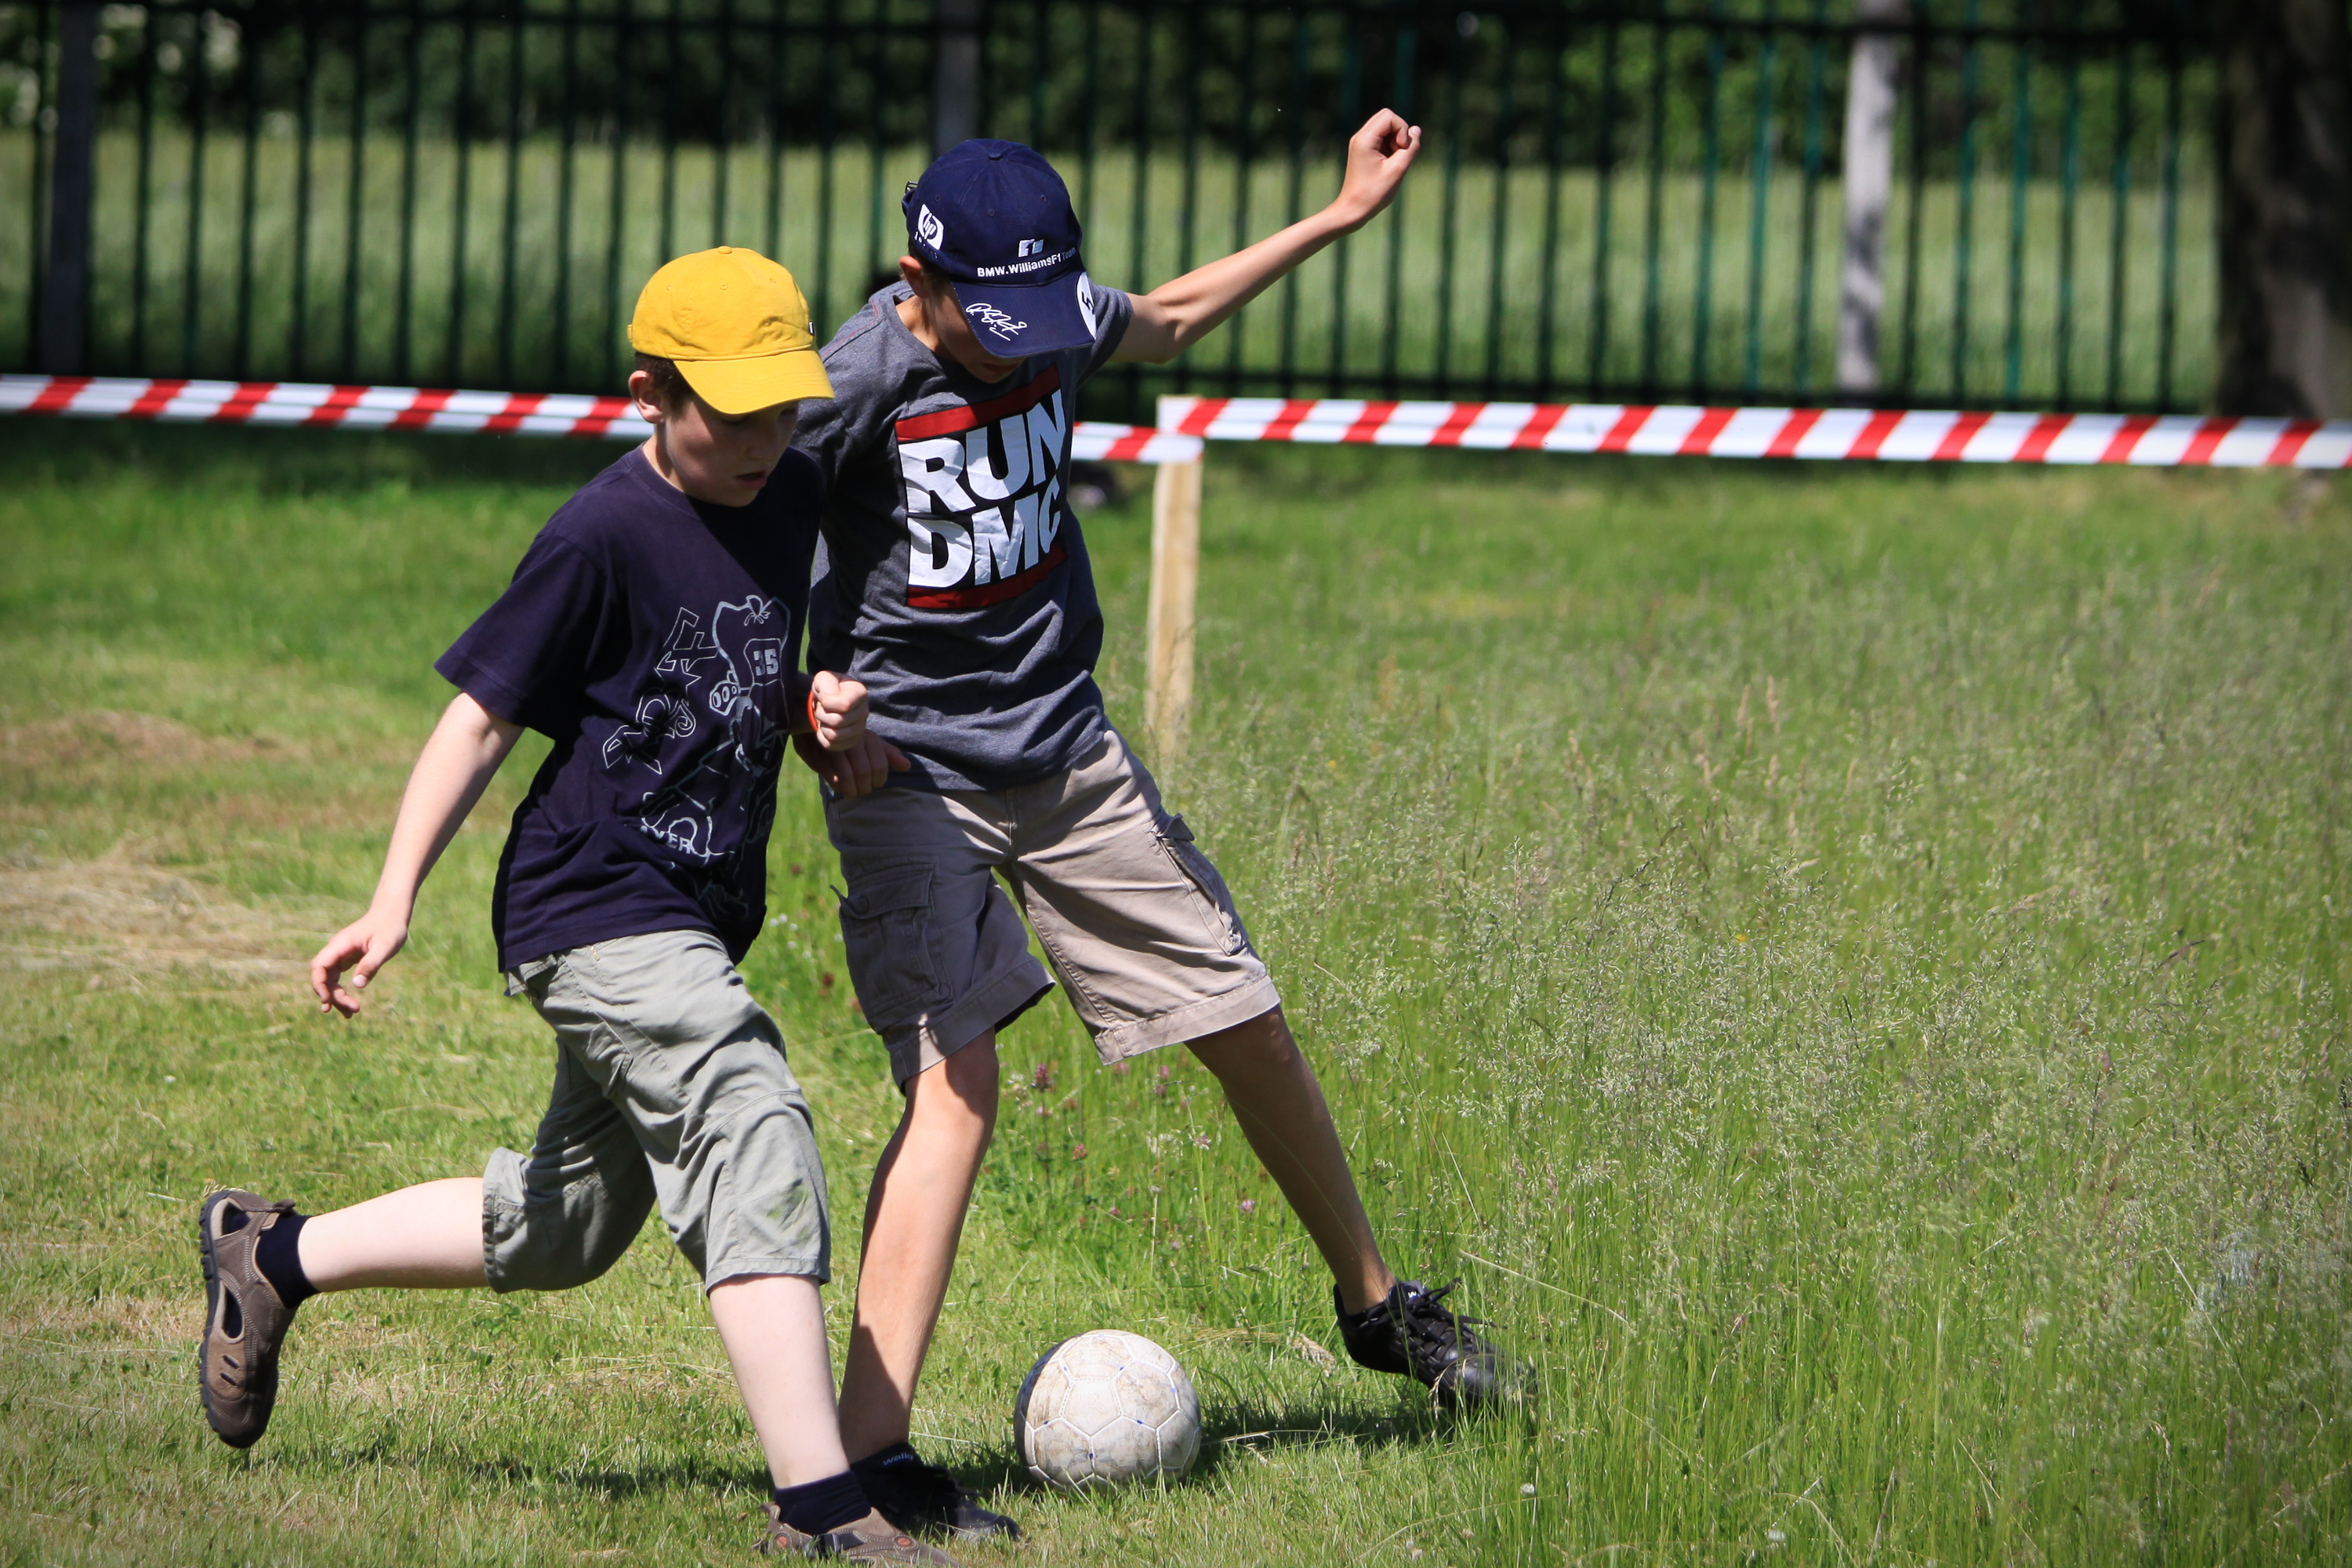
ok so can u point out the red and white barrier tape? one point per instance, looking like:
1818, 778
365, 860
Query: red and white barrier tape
1100, 443
302, 403
289, 403
1890, 435
1852, 434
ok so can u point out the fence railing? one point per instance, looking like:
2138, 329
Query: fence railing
1619, 201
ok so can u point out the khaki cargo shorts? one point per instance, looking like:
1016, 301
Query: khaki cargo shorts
670, 1087
1137, 924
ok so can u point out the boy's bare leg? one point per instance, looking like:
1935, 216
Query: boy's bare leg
914, 1214
913, 1218
773, 1328
426, 1238
1274, 1097
429, 1238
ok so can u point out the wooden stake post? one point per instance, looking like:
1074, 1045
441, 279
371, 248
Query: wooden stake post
1168, 630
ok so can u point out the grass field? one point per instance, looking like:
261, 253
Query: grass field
1847, 965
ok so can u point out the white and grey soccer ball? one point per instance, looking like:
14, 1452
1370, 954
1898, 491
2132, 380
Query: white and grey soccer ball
1105, 1409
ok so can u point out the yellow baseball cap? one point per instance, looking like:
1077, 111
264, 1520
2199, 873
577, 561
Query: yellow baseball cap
735, 325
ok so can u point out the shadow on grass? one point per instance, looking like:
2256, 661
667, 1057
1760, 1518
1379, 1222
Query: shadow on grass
287, 462
661, 1477
743, 1475
1229, 1431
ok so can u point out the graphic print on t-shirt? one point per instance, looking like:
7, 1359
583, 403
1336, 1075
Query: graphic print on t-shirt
665, 712
709, 798
984, 497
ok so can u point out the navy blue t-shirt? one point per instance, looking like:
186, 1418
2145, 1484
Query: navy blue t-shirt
652, 638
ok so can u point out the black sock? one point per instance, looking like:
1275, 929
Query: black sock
883, 1458
279, 1257
824, 1505
1371, 1317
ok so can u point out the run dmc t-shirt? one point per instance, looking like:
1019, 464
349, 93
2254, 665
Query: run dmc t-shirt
953, 580
651, 636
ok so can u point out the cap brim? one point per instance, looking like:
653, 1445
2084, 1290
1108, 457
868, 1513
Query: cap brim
747, 386
1013, 320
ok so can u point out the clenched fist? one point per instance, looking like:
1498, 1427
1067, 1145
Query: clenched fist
851, 762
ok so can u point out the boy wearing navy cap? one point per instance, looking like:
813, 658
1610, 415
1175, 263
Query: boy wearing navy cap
954, 583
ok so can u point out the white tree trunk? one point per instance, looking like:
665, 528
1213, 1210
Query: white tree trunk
955, 75
1869, 103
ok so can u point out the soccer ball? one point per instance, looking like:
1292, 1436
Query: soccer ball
1105, 1408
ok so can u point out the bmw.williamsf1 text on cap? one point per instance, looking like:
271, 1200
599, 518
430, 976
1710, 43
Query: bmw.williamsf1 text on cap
996, 220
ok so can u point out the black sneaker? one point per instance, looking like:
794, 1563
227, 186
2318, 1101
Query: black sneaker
1413, 1333
924, 1499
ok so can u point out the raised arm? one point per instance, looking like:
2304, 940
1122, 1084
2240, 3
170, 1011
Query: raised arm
1180, 313
451, 773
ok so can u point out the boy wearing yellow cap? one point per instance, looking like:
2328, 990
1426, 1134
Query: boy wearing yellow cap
649, 633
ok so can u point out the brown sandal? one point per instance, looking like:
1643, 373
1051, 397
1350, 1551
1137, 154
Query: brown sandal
873, 1539
245, 1321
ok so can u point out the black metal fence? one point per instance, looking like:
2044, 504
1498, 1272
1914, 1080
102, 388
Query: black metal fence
1636, 200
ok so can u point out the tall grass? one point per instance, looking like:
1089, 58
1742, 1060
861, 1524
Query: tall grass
1845, 965
1478, 280
1867, 994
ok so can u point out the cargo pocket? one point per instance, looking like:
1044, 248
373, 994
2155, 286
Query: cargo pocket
524, 979
1219, 919
886, 927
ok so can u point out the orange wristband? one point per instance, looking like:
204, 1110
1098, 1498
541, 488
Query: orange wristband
812, 710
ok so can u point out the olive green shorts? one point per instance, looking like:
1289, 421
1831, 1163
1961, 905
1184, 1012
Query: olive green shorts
670, 1087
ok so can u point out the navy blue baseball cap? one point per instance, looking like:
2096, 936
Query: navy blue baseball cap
994, 218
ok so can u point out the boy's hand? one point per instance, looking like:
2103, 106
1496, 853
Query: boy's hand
363, 947
457, 764
1378, 157
857, 770
837, 710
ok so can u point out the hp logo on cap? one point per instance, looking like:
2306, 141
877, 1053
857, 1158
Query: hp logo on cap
931, 231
